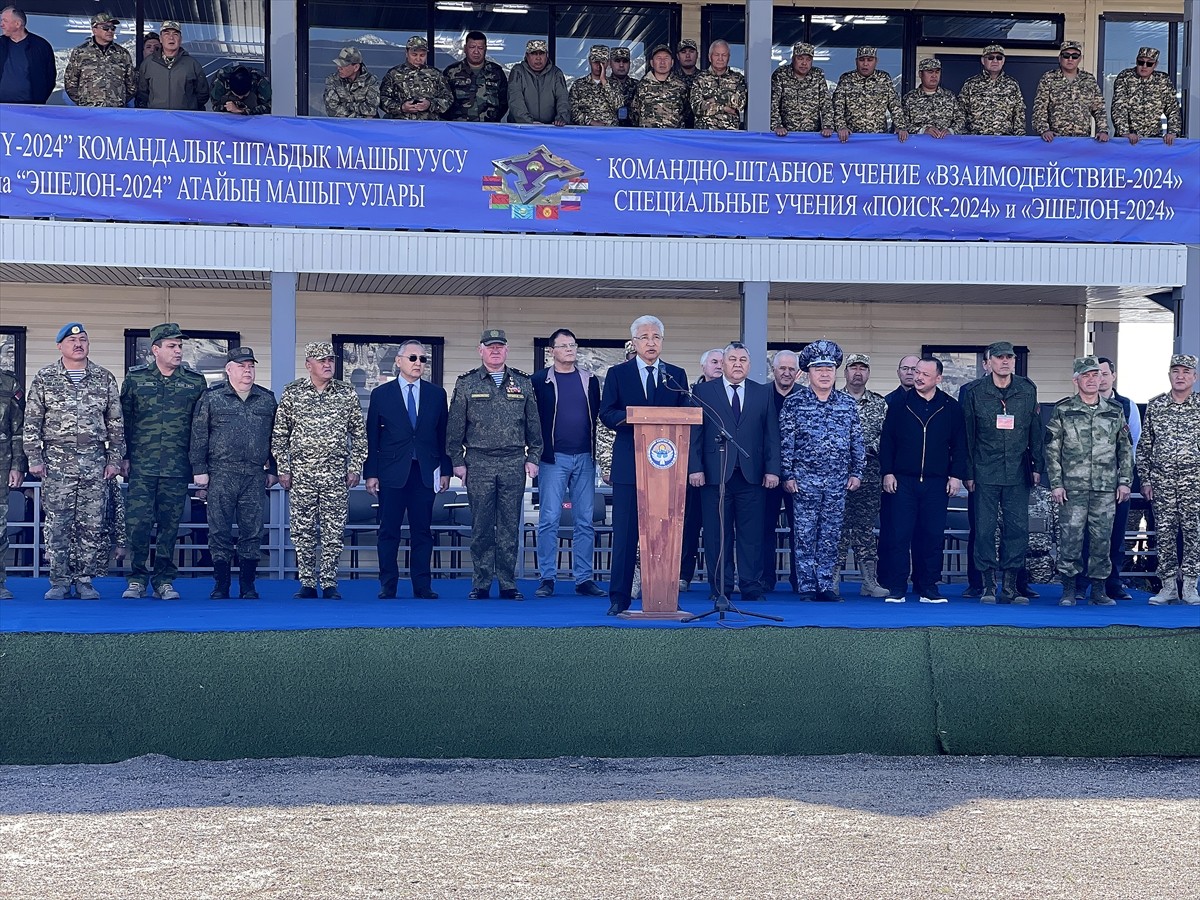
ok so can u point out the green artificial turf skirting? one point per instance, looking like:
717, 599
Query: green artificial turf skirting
513, 693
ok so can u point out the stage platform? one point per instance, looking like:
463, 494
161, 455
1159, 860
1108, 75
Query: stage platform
107, 680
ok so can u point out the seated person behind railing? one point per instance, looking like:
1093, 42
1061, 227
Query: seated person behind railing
242, 91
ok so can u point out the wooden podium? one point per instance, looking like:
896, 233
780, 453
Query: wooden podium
661, 439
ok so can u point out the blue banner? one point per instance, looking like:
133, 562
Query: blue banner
150, 166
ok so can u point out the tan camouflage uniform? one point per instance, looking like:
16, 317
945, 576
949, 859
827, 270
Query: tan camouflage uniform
1068, 106
1139, 103
404, 82
864, 104
800, 103
626, 87
357, 98
100, 76
862, 506
659, 104
592, 101
939, 109
710, 93
318, 439
992, 107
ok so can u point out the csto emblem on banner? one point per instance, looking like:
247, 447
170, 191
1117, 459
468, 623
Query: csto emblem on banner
662, 453
535, 185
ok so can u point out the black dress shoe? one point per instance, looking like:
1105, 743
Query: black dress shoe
331, 593
425, 594
387, 594
1117, 591
545, 589
752, 597
590, 589
479, 593
973, 593
615, 608
1028, 592
305, 593
511, 594
807, 596
827, 597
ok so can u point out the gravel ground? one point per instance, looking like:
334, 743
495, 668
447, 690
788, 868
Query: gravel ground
845, 826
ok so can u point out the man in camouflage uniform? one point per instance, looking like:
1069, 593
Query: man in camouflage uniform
864, 99
100, 71
413, 90
1141, 97
991, 101
593, 99
231, 458
477, 84
157, 403
242, 91
1089, 462
931, 109
800, 99
351, 92
74, 441
619, 63
661, 96
823, 458
12, 459
1168, 460
494, 441
1068, 99
718, 96
686, 68
862, 506
319, 443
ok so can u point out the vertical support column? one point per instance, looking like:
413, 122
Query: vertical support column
284, 74
283, 329
758, 64
1104, 339
754, 326
1187, 311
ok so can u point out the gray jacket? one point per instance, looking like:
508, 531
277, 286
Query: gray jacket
178, 86
537, 97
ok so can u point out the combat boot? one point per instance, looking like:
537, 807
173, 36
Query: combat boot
1068, 590
221, 576
1012, 587
989, 586
1168, 594
870, 579
247, 572
1007, 589
1191, 595
5, 593
1098, 597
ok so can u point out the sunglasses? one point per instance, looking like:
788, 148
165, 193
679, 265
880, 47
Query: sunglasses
1069, 55
107, 27
994, 57
412, 357
1148, 63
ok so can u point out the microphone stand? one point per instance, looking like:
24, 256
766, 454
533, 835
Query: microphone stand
721, 602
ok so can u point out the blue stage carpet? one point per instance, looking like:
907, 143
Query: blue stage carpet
360, 608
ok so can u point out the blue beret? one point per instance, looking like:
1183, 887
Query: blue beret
69, 329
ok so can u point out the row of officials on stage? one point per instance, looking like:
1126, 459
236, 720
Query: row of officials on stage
835, 460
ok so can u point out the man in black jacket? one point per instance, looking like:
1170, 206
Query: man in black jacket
27, 70
923, 458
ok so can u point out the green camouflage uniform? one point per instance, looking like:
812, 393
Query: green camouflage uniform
404, 82
100, 76
1068, 106
257, 101
1139, 103
939, 109
626, 87
318, 439
660, 104
1088, 453
74, 431
356, 98
592, 101
864, 104
158, 428
726, 89
1168, 459
800, 103
993, 107
862, 506
12, 453
493, 431
479, 95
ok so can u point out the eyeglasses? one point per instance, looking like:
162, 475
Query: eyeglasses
107, 27
412, 357
994, 57
565, 346
648, 337
1069, 55
1148, 63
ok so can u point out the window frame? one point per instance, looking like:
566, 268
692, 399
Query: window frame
1059, 19
20, 335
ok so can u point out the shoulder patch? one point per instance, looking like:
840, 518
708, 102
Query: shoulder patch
1063, 400
518, 372
139, 368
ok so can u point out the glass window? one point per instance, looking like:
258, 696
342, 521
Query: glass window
216, 33
12, 351
727, 23
837, 37
968, 30
508, 27
578, 27
1121, 39
204, 351
961, 365
65, 27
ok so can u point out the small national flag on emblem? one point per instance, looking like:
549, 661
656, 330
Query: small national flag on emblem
499, 201
570, 204
578, 185
522, 210
492, 182
547, 212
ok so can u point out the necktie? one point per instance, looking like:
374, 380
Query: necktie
737, 403
650, 385
412, 406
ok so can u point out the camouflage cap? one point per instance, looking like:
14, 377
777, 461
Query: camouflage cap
493, 336
993, 48
689, 44
349, 56
820, 353
929, 64
164, 331
1085, 364
416, 42
1150, 53
318, 350
598, 52
858, 359
866, 51
659, 48
171, 25
1000, 348
105, 18
69, 329
1070, 45
620, 53
537, 45
803, 48
240, 355
1183, 359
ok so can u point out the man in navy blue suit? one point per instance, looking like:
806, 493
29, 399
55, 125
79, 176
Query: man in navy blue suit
748, 466
644, 380
406, 445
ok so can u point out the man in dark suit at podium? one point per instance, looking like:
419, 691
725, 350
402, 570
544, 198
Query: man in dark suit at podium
644, 380
746, 411
406, 445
